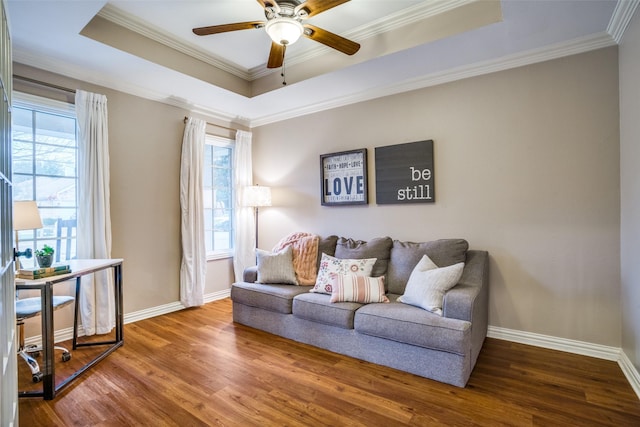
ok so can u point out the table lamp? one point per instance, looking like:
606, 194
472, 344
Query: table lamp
256, 196
25, 217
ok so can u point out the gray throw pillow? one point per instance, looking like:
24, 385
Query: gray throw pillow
276, 267
406, 255
326, 245
378, 248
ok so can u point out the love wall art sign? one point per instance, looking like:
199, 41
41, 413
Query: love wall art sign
404, 173
344, 178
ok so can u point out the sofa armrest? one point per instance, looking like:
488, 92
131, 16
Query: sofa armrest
250, 274
468, 300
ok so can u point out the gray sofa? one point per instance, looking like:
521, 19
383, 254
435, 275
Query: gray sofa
444, 348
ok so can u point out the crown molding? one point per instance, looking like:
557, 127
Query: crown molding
621, 17
405, 17
380, 26
391, 22
572, 47
555, 51
57, 66
133, 23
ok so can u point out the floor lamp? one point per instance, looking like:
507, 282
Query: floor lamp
256, 196
25, 217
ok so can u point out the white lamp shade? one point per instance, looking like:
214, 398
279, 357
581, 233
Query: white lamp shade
26, 215
256, 196
284, 31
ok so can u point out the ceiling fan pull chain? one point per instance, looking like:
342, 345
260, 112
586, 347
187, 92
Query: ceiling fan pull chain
284, 78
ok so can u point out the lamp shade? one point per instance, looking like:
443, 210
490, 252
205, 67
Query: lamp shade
256, 196
26, 215
284, 31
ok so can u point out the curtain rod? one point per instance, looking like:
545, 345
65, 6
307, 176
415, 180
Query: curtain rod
40, 83
213, 124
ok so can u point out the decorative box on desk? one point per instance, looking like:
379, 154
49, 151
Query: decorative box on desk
79, 268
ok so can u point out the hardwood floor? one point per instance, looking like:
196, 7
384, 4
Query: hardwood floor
197, 368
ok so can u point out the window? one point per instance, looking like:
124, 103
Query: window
45, 154
218, 196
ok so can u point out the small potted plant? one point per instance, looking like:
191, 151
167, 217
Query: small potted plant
44, 256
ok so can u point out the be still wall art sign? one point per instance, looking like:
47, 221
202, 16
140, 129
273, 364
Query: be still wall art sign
404, 173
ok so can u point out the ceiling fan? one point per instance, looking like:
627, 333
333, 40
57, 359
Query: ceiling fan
286, 23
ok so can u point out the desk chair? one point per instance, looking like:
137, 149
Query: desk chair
31, 307
68, 225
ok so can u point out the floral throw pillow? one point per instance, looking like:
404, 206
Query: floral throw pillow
330, 265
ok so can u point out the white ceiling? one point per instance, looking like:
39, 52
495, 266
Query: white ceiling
249, 49
46, 35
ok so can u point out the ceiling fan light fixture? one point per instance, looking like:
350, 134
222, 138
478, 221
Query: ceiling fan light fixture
284, 31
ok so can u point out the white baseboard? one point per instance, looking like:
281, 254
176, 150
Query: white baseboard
555, 343
58, 335
217, 295
171, 307
630, 372
572, 346
67, 333
538, 340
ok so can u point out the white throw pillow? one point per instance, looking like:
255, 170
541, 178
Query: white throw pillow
276, 267
330, 265
428, 284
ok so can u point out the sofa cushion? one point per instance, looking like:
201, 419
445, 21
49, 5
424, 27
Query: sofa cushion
355, 288
405, 256
276, 267
331, 265
378, 248
428, 284
326, 245
276, 298
318, 308
412, 325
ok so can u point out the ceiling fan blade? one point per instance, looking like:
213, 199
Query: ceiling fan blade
332, 40
314, 7
276, 56
215, 29
269, 3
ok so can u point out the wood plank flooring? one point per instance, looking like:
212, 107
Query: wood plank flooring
197, 368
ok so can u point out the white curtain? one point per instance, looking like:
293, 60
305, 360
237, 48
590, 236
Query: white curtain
245, 236
194, 255
94, 219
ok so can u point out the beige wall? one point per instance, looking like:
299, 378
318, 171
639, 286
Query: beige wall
630, 188
526, 167
145, 140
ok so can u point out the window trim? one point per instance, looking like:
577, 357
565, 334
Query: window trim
48, 106
220, 141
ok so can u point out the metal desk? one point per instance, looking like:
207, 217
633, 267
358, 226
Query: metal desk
79, 268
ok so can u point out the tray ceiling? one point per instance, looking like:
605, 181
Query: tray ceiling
146, 48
